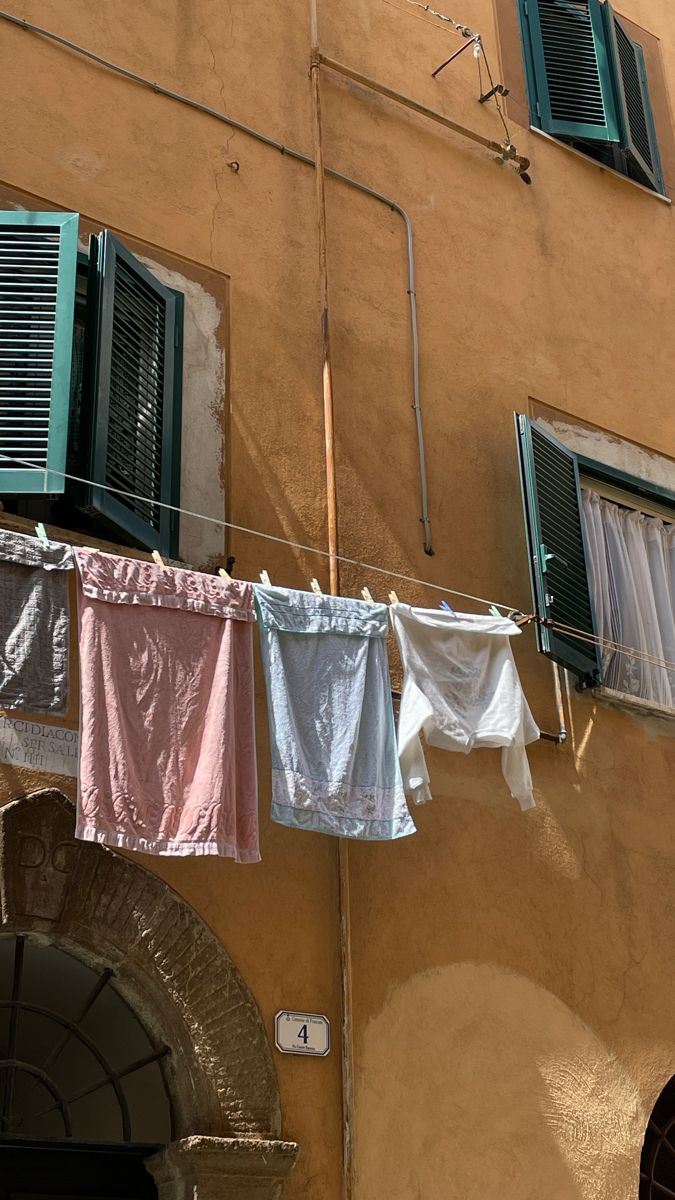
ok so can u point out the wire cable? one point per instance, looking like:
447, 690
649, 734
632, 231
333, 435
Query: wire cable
495, 96
466, 33
463, 29
616, 647
270, 537
568, 630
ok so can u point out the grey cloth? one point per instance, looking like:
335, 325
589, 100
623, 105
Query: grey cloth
34, 623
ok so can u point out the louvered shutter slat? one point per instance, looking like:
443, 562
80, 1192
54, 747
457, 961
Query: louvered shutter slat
136, 417
38, 259
570, 68
557, 548
636, 121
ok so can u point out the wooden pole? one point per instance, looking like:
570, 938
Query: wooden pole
326, 367
344, 907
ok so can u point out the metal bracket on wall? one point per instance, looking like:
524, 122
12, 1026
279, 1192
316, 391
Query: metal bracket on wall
497, 90
473, 40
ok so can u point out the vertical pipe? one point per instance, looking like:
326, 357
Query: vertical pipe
326, 367
332, 518
347, 1042
557, 688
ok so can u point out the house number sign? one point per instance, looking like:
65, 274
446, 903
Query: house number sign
302, 1033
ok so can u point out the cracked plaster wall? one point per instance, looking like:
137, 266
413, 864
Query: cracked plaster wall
513, 973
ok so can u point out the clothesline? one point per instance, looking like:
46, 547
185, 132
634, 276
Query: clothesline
270, 537
618, 647
569, 630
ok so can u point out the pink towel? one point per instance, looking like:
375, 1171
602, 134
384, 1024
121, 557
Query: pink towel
167, 751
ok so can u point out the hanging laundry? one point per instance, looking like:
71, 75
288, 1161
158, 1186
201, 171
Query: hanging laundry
334, 763
34, 623
167, 750
461, 687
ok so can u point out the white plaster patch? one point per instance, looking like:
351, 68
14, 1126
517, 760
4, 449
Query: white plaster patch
202, 439
613, 451
84, 163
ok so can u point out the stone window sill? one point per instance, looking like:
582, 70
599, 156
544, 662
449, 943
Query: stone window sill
635, 703
600, 166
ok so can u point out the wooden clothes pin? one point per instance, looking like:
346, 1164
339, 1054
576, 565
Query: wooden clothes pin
365, 592
316, 587
157, 558
265, 579
393, 598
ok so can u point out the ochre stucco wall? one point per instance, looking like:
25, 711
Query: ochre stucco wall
513, 972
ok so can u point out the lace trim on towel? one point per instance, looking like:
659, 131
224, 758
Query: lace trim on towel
134, 581
345, 810
170, 846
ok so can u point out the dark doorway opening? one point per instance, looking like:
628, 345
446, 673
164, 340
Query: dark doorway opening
31, 1170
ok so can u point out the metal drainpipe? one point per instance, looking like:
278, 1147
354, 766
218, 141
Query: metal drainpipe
298, 156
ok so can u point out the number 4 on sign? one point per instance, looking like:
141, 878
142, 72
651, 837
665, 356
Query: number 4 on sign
302, 1033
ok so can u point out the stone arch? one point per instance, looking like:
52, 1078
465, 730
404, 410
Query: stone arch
167, 962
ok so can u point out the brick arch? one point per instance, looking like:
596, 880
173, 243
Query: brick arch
168, 964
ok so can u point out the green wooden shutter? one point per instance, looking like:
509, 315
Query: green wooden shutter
570, 69
136, 349
636, 121
38, 259
557, 547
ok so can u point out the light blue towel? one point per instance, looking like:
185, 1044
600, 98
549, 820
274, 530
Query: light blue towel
335, 766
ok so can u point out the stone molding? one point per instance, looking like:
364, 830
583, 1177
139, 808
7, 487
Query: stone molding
209, 1168
168, 964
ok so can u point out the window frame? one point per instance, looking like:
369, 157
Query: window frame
599, 472
88, 460
617, 154
633, 484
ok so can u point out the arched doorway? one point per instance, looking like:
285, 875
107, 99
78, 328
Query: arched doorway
657, 1163
127, 1036
83, 1094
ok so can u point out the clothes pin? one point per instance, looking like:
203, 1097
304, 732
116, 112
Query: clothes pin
448, 608
494, 611
365, 592
41, 533
314, 584
156, 557
393, 598
264, 578
225, 575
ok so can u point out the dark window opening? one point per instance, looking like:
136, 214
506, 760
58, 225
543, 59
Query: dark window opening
90, 385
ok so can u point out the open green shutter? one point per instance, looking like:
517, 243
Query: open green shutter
136, 348
636, 121
557, 547
570, 69
38, 259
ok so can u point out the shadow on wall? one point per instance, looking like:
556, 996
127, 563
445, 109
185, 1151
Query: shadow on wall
477, 1084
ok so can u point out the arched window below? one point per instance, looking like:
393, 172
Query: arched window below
657, 1164
76, 1064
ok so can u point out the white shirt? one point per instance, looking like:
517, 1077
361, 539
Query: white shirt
461, 687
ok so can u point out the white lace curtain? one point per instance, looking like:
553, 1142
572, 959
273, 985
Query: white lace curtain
633, 586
